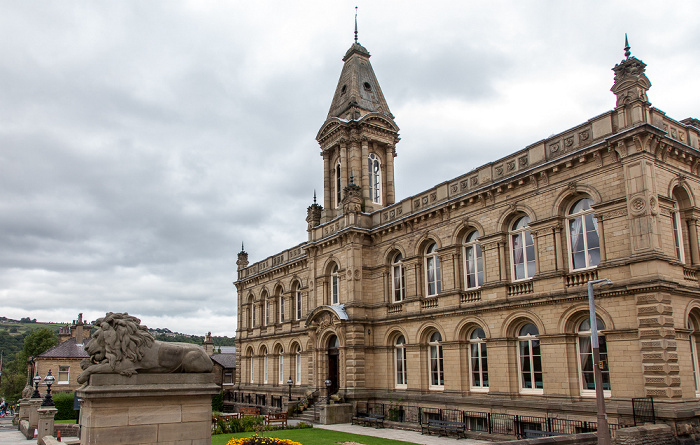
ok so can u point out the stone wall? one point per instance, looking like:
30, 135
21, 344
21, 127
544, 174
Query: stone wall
660, 434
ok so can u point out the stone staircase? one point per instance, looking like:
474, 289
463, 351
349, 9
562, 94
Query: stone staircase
308, 415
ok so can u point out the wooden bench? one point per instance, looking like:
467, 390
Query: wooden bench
363, 418
277, 419
444, 426
248, 411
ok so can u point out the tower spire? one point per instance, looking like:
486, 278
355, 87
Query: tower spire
356, 24
627, 45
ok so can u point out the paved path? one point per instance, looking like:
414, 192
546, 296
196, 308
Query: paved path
9, 435
407, 436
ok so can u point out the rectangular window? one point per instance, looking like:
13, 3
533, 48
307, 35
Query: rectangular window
63, 375
298, 298
228, 378
281, 310
267, 312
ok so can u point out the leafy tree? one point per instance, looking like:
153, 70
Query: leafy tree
14, 377
38, 341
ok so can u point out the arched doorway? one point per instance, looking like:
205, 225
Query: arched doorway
333, 355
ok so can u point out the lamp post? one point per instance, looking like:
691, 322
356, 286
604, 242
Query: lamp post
36, 380
603, 430
289, 382
49, 379
328, 391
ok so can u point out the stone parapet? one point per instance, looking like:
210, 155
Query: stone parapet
147, 409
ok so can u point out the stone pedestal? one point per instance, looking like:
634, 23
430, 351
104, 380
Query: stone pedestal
147, 409
335, 413
31, 419
46, 416
23, 411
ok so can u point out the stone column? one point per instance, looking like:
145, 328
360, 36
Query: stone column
364, 174
389, 189
46, 422
327, 178
693, 235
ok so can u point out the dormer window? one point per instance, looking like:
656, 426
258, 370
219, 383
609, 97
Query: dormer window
343, 89
374, 172
367, 86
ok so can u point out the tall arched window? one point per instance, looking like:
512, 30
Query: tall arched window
338, 190
432, 270
296, 291
335, 285
265, 366
298, 365
436, 369
374, 173
586, 363
398, 282
400, 361
473, 261
677, 233
280, 373
530, 359
251, 361
583, 235
523, 249
479, 367
281, 309
266, 306
252, 314
694, 337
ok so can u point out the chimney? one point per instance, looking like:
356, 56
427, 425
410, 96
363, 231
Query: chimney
208, 344
79, 330
64, 334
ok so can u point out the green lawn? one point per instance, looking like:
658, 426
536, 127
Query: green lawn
313, 436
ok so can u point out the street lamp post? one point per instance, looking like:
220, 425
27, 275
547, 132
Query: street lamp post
49, 379
328, 391
603, 429
37, 380
289, 382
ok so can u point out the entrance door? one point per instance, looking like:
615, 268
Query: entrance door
333, 355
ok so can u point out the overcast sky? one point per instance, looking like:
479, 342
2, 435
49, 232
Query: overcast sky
142, 141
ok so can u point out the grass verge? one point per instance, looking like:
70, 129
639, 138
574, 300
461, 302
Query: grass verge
313, 436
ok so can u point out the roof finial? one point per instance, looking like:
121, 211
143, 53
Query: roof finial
352, 178
314, 196
242, 247
355, 24
627, 48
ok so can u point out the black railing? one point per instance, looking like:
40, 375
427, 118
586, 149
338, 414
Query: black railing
482, 422
643, 410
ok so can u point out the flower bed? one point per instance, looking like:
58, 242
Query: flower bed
257, 440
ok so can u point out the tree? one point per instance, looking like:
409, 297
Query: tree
38, 341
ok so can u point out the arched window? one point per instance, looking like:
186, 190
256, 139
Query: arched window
265, 366
281, 367
252, 315
374, 173
473, 261
298, 365
281, 309
432, 270
478, 361
266, 306
338, 190
335, 285
296, 292
583, 235
400, 360
586, 363
436, 368
523, 249
252, 366
677, 233
398, 282
530, 360
694, 337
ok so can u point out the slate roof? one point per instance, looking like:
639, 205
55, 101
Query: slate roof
227, 361
67, 349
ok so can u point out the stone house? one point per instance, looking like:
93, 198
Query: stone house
473, 294
64, 359
224, 358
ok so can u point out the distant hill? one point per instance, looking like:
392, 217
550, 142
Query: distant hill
12, 333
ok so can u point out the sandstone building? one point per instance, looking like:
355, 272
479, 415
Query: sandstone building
472, 294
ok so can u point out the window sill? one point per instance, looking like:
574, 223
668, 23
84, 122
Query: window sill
479, 389
591, 393
400, 386
436, 388
532, 392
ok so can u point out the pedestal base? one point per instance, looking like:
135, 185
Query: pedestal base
336, 413
147, 409
46, 422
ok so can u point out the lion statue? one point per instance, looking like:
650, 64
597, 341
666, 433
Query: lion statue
120, 345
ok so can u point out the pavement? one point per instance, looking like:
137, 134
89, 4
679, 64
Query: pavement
10, 435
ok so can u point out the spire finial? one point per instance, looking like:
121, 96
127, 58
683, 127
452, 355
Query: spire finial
314, 196
242, 247
355, 24
352, 178
627, 48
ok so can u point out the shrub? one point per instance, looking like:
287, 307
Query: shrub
64, 405
217, 402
